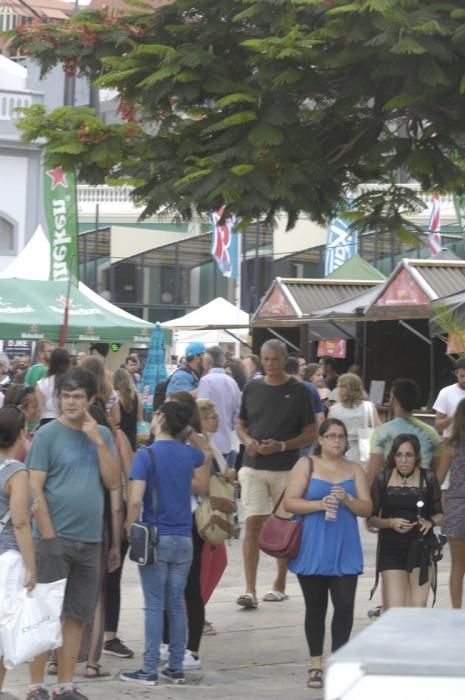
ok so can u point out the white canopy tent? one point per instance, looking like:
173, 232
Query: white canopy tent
33, 263
217, 323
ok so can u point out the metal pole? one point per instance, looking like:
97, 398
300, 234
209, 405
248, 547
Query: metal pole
97, 225
255, 265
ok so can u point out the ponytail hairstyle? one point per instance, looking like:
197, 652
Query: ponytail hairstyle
176, 417
12, 422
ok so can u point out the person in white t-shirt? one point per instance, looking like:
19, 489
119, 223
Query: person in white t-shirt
446, 404
448, 399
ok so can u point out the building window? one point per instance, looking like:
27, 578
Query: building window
8, 19
7, 237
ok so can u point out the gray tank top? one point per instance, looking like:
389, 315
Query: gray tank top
8, 468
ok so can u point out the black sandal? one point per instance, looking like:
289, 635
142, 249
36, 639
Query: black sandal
315, 678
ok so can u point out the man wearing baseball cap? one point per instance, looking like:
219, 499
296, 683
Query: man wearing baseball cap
187, 376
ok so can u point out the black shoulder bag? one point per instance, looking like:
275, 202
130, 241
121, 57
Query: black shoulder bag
143, 537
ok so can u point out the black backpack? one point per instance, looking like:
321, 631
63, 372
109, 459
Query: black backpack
159, 395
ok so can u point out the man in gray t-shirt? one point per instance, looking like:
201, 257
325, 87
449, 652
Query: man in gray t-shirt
276, 420
71, 460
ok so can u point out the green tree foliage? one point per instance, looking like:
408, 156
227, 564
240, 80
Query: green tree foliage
264, 105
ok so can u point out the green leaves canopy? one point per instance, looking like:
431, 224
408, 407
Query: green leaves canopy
264, 105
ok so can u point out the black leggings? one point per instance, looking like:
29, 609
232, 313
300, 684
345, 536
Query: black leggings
113, 593
342, 590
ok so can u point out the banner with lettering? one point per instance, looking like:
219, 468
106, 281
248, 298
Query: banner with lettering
341, 244
61, 217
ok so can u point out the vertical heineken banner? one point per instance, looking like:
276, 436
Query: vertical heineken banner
341, 244
61, 216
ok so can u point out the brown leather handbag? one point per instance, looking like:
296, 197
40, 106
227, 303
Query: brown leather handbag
280, 537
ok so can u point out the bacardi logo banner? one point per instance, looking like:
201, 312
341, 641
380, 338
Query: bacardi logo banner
61, 216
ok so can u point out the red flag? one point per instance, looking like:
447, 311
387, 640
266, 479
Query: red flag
434, 226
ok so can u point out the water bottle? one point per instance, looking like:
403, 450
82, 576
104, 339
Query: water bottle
331, 512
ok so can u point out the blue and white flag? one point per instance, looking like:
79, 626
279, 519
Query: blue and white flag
341, 244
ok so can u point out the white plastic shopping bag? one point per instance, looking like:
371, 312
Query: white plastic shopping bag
30, 622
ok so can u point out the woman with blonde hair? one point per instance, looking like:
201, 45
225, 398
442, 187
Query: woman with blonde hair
354, 411
130, 405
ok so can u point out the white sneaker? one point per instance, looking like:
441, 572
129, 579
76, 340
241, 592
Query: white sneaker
190, 662
164, 653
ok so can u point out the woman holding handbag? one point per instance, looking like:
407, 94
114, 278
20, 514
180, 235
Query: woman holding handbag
17, 555
162, 480
329, 496
358, 415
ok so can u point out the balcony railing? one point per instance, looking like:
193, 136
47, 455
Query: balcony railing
116, 201
11, 100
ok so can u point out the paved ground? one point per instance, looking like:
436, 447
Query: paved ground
259, 654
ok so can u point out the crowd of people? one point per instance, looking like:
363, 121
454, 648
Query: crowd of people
73, 483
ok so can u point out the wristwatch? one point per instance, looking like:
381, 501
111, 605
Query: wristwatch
283, 445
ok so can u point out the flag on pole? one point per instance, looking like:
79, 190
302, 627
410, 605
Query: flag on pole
434, 226
225, 244
341, 244
61, 216
459, 204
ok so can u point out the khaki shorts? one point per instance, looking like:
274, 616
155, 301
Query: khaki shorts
79, 563
260, 489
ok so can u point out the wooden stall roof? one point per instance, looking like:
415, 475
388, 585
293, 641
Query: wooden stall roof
413, 286
291, 302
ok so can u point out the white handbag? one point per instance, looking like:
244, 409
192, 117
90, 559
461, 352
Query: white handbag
30, 622
365, 433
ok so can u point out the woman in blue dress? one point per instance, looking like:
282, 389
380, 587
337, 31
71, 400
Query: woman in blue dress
330, 556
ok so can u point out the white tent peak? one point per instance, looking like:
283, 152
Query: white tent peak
218, 313
33, 263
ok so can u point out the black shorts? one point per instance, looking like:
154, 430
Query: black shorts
79, 563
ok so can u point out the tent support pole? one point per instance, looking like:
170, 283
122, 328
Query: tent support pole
415, 332
239, 340
364, 354
432, 392
284, 340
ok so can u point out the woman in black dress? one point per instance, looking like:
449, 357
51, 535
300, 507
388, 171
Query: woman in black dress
406, 507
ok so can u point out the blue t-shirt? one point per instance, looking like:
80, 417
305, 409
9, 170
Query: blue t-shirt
317, 402
73, 487
174, 465
182, 380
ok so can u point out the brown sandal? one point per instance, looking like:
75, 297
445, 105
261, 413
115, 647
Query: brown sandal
315, 678
98, 672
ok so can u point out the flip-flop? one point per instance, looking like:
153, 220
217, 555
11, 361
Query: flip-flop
248, 600
315, 678
98, 672
275, 597
52, 668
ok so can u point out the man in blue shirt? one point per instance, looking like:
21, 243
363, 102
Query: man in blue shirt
187, 376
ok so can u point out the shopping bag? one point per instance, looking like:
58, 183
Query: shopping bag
30, 622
